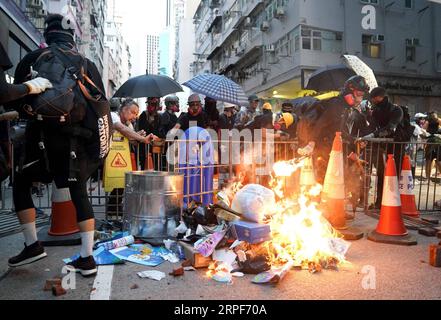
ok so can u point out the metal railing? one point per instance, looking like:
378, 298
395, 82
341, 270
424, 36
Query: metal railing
223, 167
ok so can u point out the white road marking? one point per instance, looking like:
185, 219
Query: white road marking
102, 286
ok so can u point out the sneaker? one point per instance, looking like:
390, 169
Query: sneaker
85, 266
29, 254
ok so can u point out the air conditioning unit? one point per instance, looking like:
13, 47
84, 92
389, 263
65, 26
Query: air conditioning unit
216, 12
280, 13
264, 26
41, 13
270, 48
236, 44
73, 3
248, 23
413, 42
34, 4
377, 38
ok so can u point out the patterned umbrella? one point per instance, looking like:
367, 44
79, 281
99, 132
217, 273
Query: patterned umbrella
219, 88
362, 69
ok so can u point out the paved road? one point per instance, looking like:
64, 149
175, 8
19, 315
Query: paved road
399, 273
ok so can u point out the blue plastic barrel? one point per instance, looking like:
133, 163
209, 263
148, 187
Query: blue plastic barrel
196, 158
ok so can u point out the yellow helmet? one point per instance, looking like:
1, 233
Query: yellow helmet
267, 106
288, 118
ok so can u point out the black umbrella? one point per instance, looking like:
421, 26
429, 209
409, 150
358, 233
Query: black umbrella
148, 85
329, 78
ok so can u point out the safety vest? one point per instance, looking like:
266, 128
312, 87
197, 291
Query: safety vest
117, 163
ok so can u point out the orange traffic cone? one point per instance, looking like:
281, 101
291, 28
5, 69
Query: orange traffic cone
307, 176
334, 186
408, 205
334, 192
64, 217
390, 228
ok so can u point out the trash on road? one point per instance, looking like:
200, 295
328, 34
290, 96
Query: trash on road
152, 274
50, 283
435, 255
177, 272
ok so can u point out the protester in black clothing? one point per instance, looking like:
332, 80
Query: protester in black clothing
195, 115
317, 129
226, 120
150, 122
383, 124
168, 117
11, 92
57, 146
264, 120
210, 108
433, 149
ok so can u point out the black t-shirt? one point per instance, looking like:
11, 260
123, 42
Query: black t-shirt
5, 62
185, 119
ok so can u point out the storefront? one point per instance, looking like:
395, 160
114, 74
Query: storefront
419, 94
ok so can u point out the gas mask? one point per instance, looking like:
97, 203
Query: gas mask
151, 109
195, 112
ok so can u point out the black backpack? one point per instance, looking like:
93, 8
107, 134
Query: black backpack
405, 129
74, 104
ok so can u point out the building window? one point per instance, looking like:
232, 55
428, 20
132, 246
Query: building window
16, 51
410, 54
370, 49
408, 4
319, 40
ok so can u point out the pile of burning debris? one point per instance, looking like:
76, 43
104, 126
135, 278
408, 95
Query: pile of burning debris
261, 231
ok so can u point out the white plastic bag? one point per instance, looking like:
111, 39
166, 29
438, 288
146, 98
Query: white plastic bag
252, 201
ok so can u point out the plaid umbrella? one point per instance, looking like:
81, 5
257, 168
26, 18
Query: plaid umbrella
218, 87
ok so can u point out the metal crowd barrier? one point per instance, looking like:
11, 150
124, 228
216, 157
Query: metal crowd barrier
426, 170
372, 156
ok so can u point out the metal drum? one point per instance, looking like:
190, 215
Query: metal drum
152, 203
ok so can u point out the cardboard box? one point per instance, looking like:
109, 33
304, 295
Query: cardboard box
197, 260
251, 232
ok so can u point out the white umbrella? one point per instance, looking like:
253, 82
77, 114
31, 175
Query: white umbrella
362, 69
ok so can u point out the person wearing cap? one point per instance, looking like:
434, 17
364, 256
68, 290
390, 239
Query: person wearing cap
57, 146
210, 108
195, 115
149, 121
226, 120
263, 121
168, 117
288, 107
247, 115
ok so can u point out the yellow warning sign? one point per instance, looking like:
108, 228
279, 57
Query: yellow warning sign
117, 163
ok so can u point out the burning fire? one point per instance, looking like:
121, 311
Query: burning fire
300, 233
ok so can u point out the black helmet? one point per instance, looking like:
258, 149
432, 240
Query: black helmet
356, 83
287, 106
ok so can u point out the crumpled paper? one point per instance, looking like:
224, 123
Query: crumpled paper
152, 274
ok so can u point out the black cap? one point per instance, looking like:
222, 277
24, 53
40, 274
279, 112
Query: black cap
377, 92
253, 98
